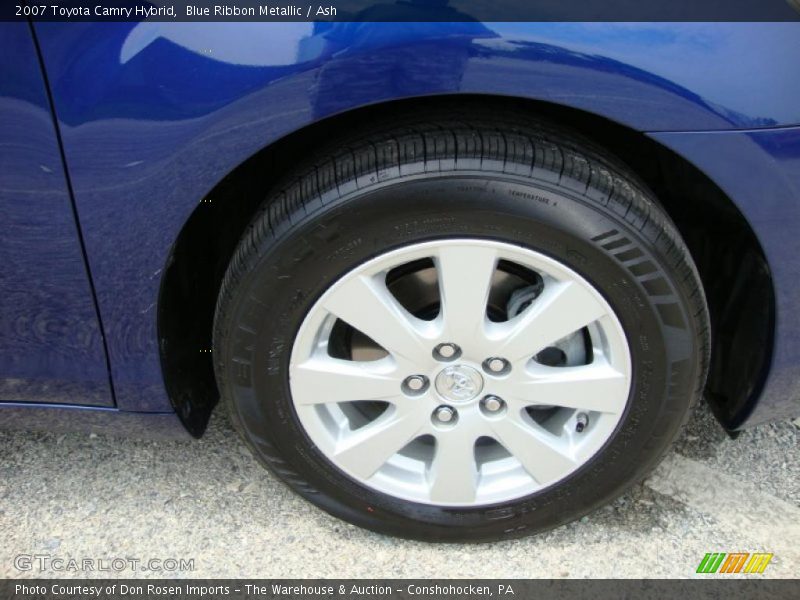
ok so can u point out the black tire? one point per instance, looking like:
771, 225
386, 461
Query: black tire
508, 178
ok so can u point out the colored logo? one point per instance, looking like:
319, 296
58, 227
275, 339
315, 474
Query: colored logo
737, 562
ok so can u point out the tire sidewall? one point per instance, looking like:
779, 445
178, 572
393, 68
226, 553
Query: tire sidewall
282, 281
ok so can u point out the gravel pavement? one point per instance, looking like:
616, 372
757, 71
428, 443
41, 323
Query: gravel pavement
81, 496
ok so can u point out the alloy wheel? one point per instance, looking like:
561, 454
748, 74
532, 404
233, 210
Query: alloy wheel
460, 372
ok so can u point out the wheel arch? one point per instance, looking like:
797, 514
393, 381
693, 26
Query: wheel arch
732, 265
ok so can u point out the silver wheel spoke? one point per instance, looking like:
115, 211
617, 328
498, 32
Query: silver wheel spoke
453, 476
562, 309
323, 380
366, 304
465, 277
591, 387
364, 451
535, 448
460, 377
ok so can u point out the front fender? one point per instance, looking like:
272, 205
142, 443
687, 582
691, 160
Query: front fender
154, 115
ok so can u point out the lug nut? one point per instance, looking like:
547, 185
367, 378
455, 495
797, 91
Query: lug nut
581, 422
415, 384
496, 366
444, 414
492, 404
446, 352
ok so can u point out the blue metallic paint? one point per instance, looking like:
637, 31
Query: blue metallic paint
760, 172
51, 347
154, 115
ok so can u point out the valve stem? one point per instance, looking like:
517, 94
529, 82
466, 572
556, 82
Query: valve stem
581, 422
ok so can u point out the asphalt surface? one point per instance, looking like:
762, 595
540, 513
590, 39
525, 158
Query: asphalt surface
80, 496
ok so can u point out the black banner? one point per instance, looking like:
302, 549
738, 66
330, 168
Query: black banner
400, 10
723, 587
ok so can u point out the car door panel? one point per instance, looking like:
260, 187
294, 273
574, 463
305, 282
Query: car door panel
51, 345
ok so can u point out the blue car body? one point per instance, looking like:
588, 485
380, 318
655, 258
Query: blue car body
115, 137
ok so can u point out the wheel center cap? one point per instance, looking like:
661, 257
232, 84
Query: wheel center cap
459, 383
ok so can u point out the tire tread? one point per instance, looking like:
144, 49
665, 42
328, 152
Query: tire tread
513, 144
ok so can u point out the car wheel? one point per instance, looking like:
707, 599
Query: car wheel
455, 332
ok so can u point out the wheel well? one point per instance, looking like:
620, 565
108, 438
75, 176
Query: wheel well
729, 258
